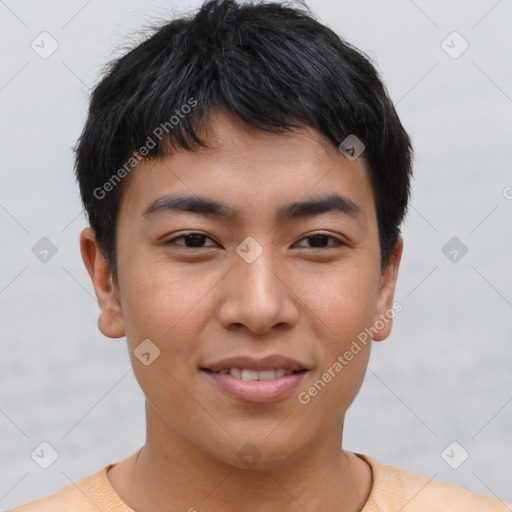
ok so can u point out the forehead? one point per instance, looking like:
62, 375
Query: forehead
245, 171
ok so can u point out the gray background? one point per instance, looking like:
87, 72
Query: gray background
444, 373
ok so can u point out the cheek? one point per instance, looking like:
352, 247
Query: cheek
166, 307
344, 305
344, 302
171, 312
343, 309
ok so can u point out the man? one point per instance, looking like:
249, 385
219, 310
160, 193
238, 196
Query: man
245, 176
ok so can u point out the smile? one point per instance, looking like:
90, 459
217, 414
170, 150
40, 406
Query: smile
255, 386
246, 374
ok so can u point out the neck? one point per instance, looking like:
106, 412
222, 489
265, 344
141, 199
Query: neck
169, 473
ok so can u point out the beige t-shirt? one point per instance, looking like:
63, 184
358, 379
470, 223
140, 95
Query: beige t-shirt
393, 489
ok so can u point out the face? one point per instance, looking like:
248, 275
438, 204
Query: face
289, 288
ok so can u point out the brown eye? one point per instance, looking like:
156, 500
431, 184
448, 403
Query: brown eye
192, 240
320, 241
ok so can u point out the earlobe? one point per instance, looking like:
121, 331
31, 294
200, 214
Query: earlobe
110, 321
385, 311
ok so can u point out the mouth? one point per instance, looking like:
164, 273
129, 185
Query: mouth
255, 380
245, 365
252, 375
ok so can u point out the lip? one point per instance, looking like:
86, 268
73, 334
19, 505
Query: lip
251, 363
257, 391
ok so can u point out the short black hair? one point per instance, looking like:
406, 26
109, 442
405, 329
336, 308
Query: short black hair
274, 66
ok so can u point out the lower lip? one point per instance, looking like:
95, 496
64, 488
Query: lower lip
256, 390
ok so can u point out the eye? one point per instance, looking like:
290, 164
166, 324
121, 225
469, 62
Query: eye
196, 240
319, 241
193, 240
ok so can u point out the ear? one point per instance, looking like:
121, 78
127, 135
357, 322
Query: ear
110, 322
386, 293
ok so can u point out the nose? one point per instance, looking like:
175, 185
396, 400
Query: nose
258, 295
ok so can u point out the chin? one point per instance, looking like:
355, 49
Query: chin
257, 452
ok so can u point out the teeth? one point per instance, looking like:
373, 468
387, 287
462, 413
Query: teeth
246, 374
249, 375
265, 375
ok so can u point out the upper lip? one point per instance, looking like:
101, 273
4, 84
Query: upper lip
251, 363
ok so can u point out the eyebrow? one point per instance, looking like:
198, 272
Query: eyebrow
299, 209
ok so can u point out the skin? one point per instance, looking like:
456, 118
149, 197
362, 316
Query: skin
198, 305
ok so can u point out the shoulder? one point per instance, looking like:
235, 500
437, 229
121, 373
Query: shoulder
395, 488
92, 493
59, 502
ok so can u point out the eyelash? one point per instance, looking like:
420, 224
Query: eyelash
339, 243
